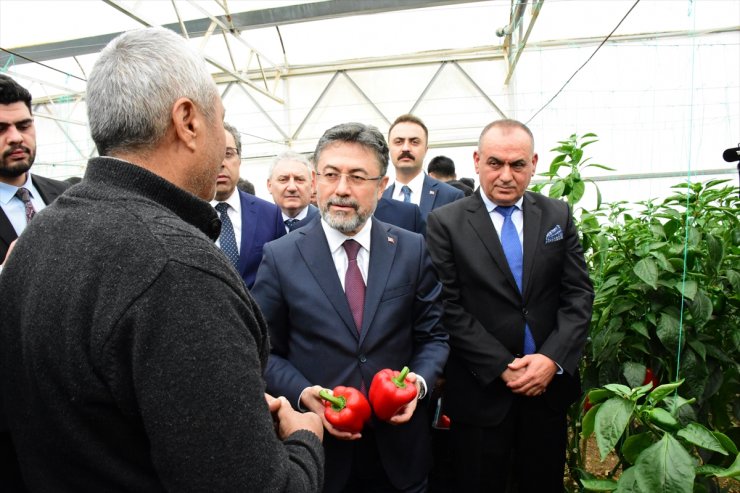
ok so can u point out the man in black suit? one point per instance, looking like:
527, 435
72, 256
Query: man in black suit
517, 319
408, 140
17, 153
21, 194
442, 168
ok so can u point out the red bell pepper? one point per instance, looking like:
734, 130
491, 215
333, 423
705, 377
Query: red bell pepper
650, 377
347, 410
389, 391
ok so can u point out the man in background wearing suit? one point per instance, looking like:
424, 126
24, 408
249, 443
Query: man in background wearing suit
517, 318
407, 139
248, 222
346, 296
22, 195
442, 168
291, 182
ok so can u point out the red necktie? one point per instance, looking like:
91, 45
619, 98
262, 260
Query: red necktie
354, 286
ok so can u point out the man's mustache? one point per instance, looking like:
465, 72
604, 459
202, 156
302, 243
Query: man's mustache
406, 154
343, 202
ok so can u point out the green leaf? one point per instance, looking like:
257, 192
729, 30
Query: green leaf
628, 482
598, 395
716, 251
600, 166
701, 308
667, 331
641, 328
665, 467
662, 391
634, 373
579, 188
599, 484
701, 437
647, 271
726, 442
711, 470
619, 389
700, 349
734, 278
587, 424
688, 289
635, 444
611, 420
557, 189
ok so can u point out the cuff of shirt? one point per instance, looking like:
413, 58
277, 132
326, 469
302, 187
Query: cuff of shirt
422, 387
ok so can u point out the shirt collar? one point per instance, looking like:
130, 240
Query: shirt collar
336, 238
298, 217
7, 192
416, 185
234, 201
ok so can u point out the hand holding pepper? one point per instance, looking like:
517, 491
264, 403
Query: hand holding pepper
393, 395
346, 409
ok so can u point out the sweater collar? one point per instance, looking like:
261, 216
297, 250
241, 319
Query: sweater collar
130, 177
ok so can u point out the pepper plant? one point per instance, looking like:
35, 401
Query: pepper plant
666, 274
659, 445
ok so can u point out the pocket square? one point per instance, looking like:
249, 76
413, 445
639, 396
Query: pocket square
555, 234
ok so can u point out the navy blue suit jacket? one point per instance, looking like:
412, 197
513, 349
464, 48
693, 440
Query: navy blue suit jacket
314, 340
262, 221
434, 194
313, 211
401, 214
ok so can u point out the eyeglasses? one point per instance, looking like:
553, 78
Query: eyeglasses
333, 178
231, 153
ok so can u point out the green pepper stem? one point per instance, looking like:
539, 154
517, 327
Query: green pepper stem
337, 403
400, 380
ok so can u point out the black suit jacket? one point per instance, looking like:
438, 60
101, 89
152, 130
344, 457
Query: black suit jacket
401, 214
49, 190
485, 314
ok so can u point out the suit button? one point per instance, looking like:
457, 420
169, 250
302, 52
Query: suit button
525, 312
363, 359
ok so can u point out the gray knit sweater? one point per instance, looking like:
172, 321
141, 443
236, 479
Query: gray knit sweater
132, 354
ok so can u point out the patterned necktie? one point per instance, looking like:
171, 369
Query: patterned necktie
513, 251
290, 223
25, 196
354, 286
226, 239
406, 191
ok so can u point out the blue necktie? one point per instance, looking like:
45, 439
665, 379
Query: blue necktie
227, 239
406, 191
513, 251
290, 223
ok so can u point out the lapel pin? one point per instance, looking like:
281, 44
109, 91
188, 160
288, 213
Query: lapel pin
391, 240
432, 192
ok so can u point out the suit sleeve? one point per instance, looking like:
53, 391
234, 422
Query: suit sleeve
484, 355
430, 337
565, 344
282, 377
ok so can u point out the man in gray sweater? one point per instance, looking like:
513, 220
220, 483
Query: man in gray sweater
131, 354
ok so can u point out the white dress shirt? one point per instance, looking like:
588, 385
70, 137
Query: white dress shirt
416, 185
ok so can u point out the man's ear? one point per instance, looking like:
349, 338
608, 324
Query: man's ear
186, 121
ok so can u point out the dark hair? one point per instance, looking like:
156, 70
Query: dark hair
12, 92
367, 136
245, 186
442, 166
409, 118
237, 137
467, 181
